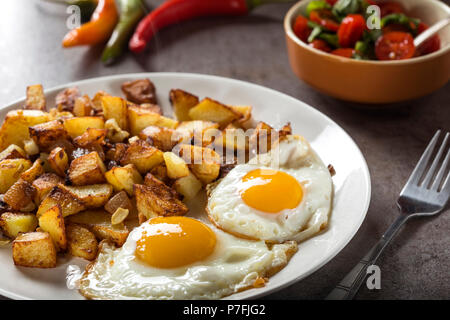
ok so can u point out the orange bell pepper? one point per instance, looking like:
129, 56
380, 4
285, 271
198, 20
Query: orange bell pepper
98, 29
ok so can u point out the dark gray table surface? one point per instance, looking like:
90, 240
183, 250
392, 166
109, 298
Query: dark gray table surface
414, 266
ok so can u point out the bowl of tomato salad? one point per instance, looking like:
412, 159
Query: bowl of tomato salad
363, 50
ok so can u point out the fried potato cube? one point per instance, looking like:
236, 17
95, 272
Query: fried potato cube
33, 172
94, 196
14, 129
67, 200
140, 118
200, 131
152, 107
81, 242
115, 108
182, 102
83, 107
99, 223
160, 172
160, 137
203, 162
211, 110
65, 99
123, 178
20, 195
142, 155
119, 200
87, 169
10, 171
261, 139
153, 182
59, 161
176, 167
97, 101
154, 201
245, 116
14, 223
30, 147
35, 250
114, 132
52, 221
13, 152
35, 98
91, 137
188, 186
78, 125
45, 134
233, 139
44, 184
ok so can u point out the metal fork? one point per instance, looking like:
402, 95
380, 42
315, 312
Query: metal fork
425, 194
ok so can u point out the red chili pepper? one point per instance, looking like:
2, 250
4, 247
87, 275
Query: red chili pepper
174, 11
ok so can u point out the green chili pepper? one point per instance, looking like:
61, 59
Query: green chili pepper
87, 7
331, 39
131, 12
344, 7
400, 18
317, 5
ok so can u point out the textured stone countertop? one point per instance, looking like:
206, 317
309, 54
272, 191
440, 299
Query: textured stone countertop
414, 266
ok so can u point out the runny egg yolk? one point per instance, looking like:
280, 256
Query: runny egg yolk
271, 191
170, 242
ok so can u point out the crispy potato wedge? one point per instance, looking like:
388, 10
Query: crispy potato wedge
13, 223
114, 132
153, 182
160, 137
211, 110
35, 98
182, 102
78, 125
176, 167
94, 196
115, 108
188, 186
15, 127
87, 169
154, 201
20, 196
203, 162
13, 152
99, 222
67, 200
81, 242
44, 184
59, 161
10, 171
140, 118
142, 155
123, 178
52, 221
46, 134
35, 250
33, 172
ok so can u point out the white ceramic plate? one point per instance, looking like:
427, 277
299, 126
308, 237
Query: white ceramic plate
334, 146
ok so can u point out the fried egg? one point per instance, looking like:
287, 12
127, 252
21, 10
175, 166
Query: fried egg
181, 258
281, 195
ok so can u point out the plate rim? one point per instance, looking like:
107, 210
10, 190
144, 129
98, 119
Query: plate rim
366, 171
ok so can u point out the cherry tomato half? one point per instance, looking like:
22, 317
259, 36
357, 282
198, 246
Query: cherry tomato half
395, 46
325, 18
431, 45
390, 7
320, 45
344, 52
301, 29
351, 30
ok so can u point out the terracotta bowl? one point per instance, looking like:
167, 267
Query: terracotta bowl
373, 82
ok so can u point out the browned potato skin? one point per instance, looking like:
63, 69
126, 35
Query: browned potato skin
93, 196
160, 172
87, 169
34, 172
60, 195
35, 98
13, 152
142, 155
212, 110
83, 107
81, 242
153, 182
159, 137
152, 107
140, 91
59, 161
20, 195
153, 201
123, 178
13, 223
65, 100
46, 134
52, 221
10, 171
182, 102
35, 250
90, 137
44, 184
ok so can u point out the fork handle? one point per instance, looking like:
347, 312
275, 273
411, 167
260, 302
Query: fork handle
351, 283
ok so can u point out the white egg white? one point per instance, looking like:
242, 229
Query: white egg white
233, 266
294, 156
